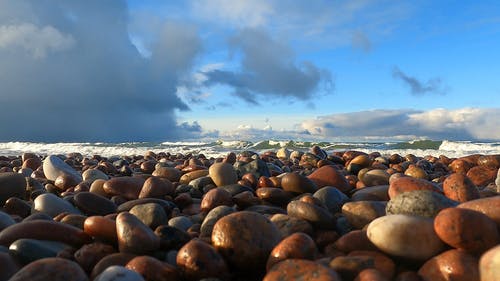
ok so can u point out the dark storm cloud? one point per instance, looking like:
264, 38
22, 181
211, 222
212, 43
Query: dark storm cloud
418, 87
268, 68
69, 72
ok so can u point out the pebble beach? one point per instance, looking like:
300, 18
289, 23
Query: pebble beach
271, 215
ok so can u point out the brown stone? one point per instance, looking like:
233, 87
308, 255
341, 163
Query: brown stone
223, 174
32, 163
153, 269
381, 262
65, 181
74, 220
245, 239
404, 184
214, 198
170, 173
197, 260
288, 225
466, 229
451, 265
370, 274
16, 206
156, 187
361, 213
329, 176
94, 204
97, 187
489, 161
460, 166
416, 172
101, 228
296, 246
460, 188
488, 206
274, 195
134, 236
128, 187
482, 175
299, 269
298, 184
372, 193
90, 254
316, 215
355, 240
188, 177
54, 269
11, 185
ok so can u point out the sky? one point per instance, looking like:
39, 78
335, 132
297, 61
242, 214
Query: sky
121, 71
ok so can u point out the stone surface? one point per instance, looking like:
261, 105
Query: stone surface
423, 203
214, 198
211, 218
54, 166
54, 269
29, 250
288, 225
489, 264
329, 176
245, 239
222, 174
451, 265
52, 205
297, 184
153, 269
405, 184
94, 204
296, 246
128, 187
361, 213
332, 198
488, 206
156, 187
460, 188
299, 269
135, 237
405, 236
150, 214
198, 259
312, 213
11, 185
466, 229
118, 273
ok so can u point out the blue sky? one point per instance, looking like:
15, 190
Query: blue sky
222, 69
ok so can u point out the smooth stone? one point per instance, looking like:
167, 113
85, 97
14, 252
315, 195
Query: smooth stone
288, 225
188, 177
416, 172
245, 239
348, 267
410, 237
201, 182
118, 273
222, 174
460, 188
54, 166
212, 217
151, 214
246, 199
197, 260
119, 259
94, 204
300, 269
127, 206
316, 215
379, 261
296, 246
12, 185
101, 227
298, 184
283, 153
52, 205
371, 193
128, 187
44, 230
423, 203
375, 177
171, 237
97, 187
235, 189
332, 198
273, 195
156, 187
489, 264
5, 220
370, 274
256, 167
26, 172
9, 265
356, 240
54, 269
181, 222
29, 250
16, 206
214, 198
405, 184
90, 254
361, 213
135, 237
482, 175
90, 175
328, 175
170, 173
74, 220
451, 265
153, 269
488, 206
466, 229
357, 163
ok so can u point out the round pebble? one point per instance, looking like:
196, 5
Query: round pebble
11, 185
296, 246
489, 264
222, 174
460, 188
198, 259
329, 176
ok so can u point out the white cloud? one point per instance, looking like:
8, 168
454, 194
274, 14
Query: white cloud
242, 13
38, 41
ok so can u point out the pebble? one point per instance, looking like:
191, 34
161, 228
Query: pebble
329, 176
133, 236
370, 274
9, 265
188, 177
405, 236
361, 213
332, 198
274, 195
245, 239
150, 214
316, 215
288, 225
489, 264
211, 218
153, 269
171, 237
16, 206
375, 177
197, 260
405, 184
356, 240
214, 198
101, 228
451, 265
54, 269
384, 264
90, 175
128, 187
53, 205
170, 173
118, 273
93, 204
371, 193
256, 167
90, 254
423, 203
297, 184
481, 175
497, 181
460, 188
488, 206
11, 185
5, 220
156, 187
222, 174
300, 269
54, 166
466, 229
296, 246
29, 250
119, 259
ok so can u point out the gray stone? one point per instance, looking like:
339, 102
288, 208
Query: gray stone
53, 167
181, 222
151, 214
424, 203
29, 250
212, 217
118, 273
257, 167
11, 185
91, 175
332, 198
52, 205
201, 182
5, 220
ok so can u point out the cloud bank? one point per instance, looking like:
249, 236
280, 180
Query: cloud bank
69, 72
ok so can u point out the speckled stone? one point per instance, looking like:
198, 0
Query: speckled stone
198, 259
488, 206
55, 269
5, 220
482, 175
405, 184
460, 188
300, 269
118, 273
245, 239
423, 203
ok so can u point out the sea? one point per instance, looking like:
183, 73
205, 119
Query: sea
219, 148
